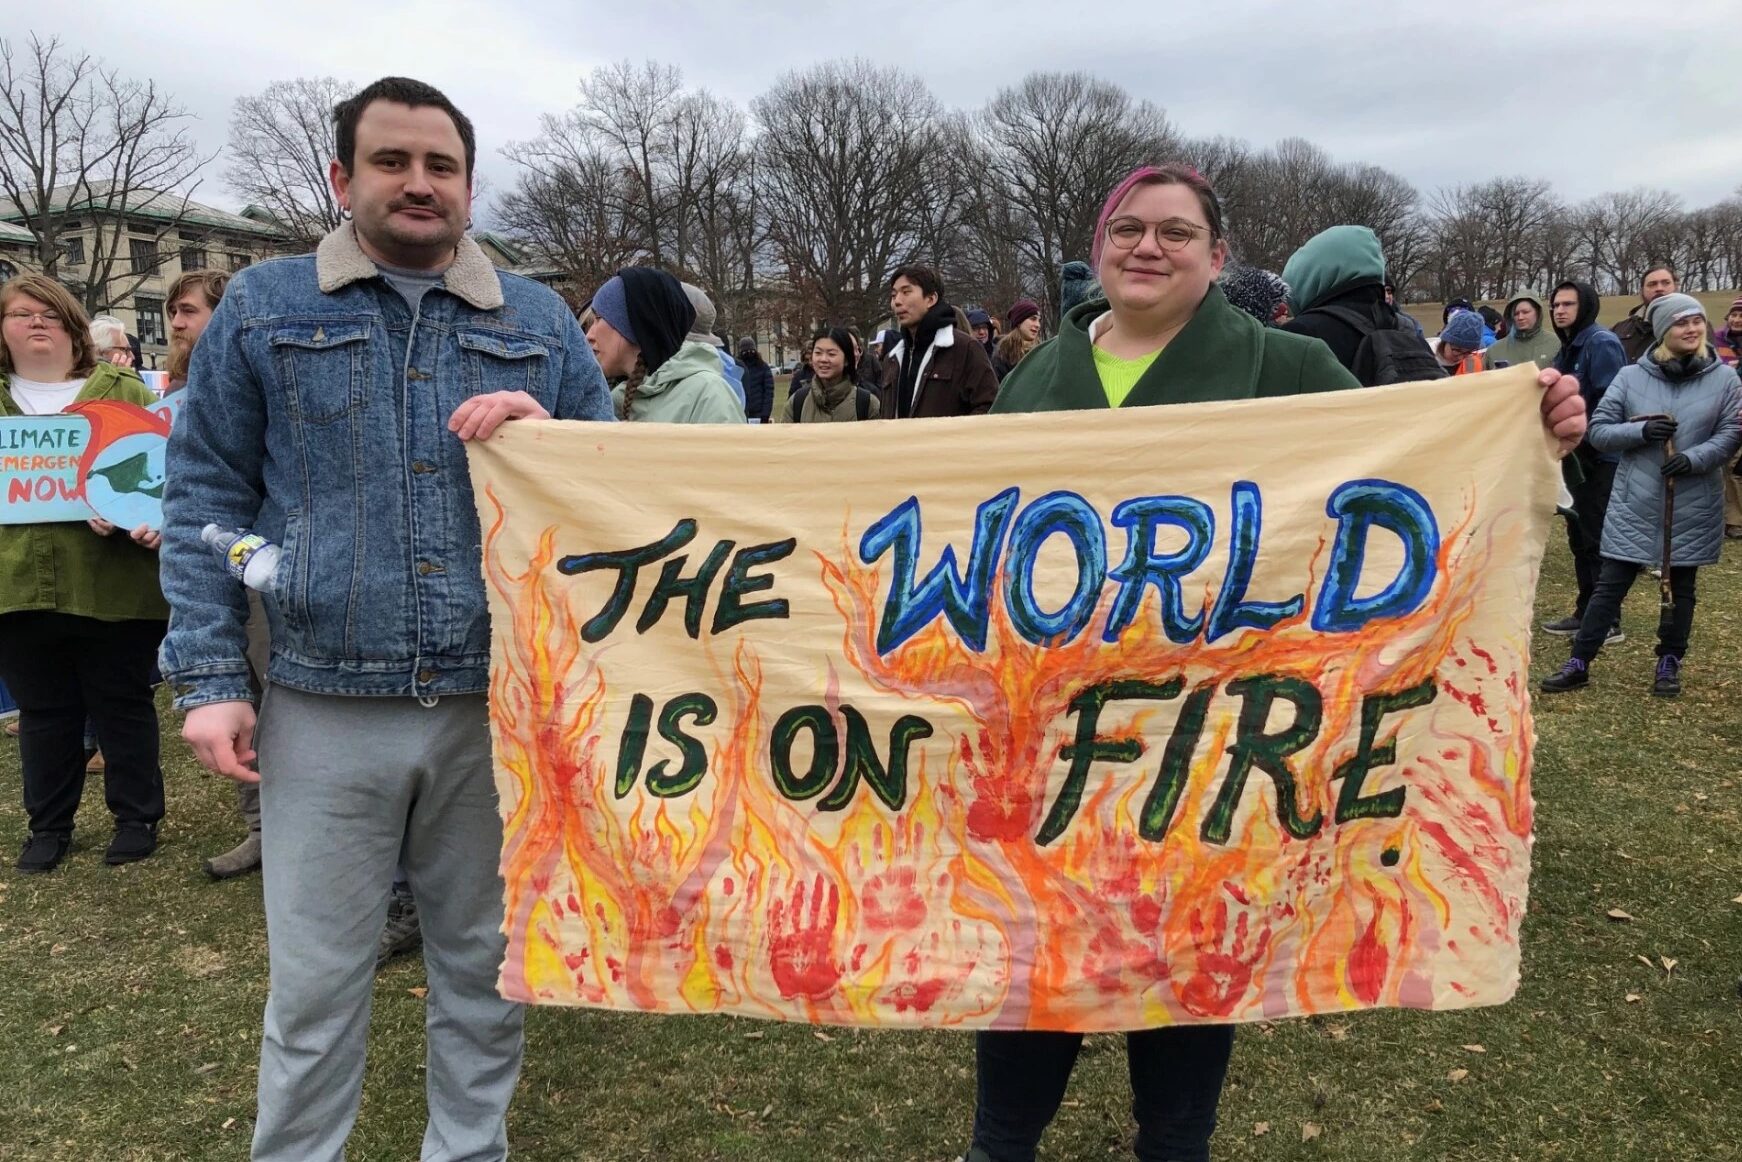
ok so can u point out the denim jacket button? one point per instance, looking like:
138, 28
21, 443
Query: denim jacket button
426, 676
422, 467
425, 568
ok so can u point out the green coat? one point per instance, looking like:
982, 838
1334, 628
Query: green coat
1540, 348
1222, 354
688, 388
68, 568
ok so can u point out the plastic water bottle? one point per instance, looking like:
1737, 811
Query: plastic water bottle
249, 557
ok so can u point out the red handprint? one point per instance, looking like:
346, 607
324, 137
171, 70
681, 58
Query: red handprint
1221, 974
801, 954
891, 902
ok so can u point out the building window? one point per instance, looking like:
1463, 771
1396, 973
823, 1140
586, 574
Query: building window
238, 261
149, 313
144, 253
7, 270
193, 258
75, 250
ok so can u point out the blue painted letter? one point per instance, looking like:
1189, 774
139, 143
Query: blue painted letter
1232, 611
1139, 516
1359, 505
910, 608
1071, 515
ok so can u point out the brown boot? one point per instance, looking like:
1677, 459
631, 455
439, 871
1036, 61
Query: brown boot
95, 765
12, 727
238, 861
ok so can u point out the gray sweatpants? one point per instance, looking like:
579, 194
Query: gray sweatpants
346, 784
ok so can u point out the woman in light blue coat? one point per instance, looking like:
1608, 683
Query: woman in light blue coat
1675, 418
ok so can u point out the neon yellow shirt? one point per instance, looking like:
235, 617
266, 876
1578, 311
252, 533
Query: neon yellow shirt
1119, 376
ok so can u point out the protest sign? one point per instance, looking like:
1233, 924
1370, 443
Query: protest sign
1092, 721
99, 458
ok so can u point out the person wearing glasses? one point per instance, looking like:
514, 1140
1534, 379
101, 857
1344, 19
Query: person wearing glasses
109, 336
81, 613
1162, 332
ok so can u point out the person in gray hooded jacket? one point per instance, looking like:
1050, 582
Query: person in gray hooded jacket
1675, 419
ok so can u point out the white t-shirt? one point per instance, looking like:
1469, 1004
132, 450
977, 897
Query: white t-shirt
44, 399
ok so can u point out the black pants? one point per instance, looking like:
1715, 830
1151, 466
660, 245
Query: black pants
59, 668
1585, 530
1674, 625
1176, 1082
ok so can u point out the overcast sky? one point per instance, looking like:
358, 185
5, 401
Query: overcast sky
1593, 95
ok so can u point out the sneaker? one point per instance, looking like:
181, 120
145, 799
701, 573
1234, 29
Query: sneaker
401, 934
1614, 637
1669, 677
1565, 627
132, 843
1572, 676
12, 728
238, 861
42, 852
1733, 532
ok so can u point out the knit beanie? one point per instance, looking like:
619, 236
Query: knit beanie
702, 330
1666, 311
1254, 290
1463, 329
612, 305
1077, 284
978, 318
1734, 307
1024, 310
658, 311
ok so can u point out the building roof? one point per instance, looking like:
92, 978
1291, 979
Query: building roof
166, 206
14, 233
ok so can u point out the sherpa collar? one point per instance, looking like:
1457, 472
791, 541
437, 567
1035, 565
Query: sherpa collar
340, 261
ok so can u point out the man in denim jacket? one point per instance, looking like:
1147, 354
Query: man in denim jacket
327, 408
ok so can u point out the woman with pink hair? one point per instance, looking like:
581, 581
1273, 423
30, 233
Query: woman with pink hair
1162, 333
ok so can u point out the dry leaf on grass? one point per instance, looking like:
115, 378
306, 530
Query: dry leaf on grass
1259, 1129
419, 992
1457, 1075
1633, 998
1618, 914
1475, 1049
1310, 1131
1668, 963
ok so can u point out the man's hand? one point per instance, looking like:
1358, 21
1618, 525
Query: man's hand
222, 735
483, 414
100, 526
147, 537
1563, 409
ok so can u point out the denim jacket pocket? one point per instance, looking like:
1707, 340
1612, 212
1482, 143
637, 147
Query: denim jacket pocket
503, 361
324, 367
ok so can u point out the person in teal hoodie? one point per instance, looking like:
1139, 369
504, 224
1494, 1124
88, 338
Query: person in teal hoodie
639, 335
1160, 333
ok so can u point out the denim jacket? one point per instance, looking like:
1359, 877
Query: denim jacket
316, 414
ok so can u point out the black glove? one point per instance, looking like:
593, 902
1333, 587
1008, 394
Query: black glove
1677, 465
1658, 430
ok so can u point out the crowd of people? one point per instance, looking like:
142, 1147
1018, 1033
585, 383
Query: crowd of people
328, 401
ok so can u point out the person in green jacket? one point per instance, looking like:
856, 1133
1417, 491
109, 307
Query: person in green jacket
641, 318
81, 614
1160, 333
1529, 338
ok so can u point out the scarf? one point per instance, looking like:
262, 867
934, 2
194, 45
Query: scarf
919, 342
1677, 368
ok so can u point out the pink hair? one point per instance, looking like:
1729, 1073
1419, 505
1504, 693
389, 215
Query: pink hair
1171, 174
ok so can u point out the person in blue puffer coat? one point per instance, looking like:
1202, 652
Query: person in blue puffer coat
1675, 419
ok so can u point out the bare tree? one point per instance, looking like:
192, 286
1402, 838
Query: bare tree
568, 207
81, 144
632, 110
281, 143
1053, 146
852, 161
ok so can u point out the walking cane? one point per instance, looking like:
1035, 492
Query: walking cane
1664, 595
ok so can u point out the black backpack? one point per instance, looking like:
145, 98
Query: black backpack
1391, 350
861, 403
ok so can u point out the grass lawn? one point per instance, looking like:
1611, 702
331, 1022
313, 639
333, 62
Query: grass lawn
132, 997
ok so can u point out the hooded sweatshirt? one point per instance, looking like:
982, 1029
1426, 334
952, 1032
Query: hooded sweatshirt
1538, 345
688, 388
1591, 353
1330, 262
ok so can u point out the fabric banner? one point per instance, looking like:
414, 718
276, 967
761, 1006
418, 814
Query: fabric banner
1087, 721
99, 458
